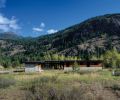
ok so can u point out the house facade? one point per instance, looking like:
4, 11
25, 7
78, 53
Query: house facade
32, 66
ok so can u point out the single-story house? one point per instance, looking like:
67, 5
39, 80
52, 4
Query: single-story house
38, 66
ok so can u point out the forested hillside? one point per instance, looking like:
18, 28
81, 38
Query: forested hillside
82, 41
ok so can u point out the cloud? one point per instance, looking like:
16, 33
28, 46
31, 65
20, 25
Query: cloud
38, 29
42, 25
8, 24
50, 31
41, 28
2, 3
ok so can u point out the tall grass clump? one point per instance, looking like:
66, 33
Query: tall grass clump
6, 82
41, 88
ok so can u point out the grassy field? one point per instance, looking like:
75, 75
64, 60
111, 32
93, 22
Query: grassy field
60, 85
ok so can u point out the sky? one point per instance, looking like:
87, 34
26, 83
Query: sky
40, 17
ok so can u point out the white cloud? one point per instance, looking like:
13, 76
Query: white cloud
37, 29
42, 25
2, 3
8, 24
50, 31
4, 28
40, 28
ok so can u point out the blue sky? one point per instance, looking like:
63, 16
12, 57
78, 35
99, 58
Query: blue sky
39, 17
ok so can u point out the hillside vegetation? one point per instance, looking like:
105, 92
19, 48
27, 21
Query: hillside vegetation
92, 37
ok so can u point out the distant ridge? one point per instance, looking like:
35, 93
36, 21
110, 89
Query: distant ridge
9, 35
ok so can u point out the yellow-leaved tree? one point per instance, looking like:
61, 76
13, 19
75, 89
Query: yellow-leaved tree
111, 58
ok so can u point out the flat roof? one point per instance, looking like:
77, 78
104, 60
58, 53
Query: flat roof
61, 61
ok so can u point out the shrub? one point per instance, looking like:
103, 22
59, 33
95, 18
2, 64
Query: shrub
116, 87
116, 72
76, 67
6, 82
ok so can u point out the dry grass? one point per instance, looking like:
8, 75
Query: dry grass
57, 85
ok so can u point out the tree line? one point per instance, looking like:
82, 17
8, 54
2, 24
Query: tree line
111, 58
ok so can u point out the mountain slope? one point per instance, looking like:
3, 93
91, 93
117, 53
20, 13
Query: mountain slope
93, 36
